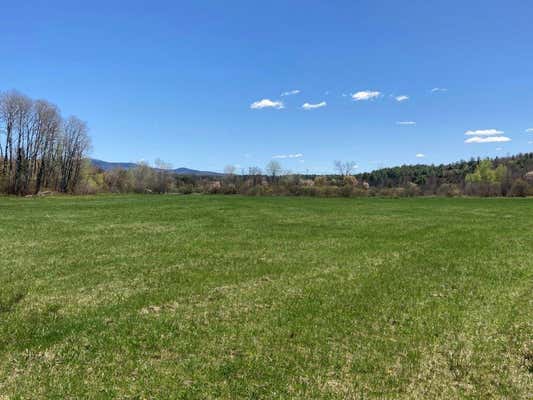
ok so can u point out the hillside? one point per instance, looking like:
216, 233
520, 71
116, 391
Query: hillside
108, 166
432, 176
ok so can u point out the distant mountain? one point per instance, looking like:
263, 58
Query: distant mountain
188, 171
107, 166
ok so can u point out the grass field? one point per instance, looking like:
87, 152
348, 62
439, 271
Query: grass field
208, 297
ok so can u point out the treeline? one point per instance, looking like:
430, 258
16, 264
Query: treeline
488, 177
509, 176
39, 150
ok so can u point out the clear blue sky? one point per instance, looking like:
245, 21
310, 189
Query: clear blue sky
176, 79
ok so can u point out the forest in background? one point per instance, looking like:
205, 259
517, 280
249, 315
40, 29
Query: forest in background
506, 176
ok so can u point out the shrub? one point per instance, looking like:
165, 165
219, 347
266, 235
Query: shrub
186, 189
448, 190
228, 189
327, 191
359, 192
321, 181
349, 180
346, 191
519, 188
411, 190
484, 189
309, 191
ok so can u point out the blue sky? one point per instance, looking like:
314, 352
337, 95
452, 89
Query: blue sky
176, 80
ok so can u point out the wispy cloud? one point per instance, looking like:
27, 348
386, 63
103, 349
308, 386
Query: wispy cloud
486, 136
437, 89
266, 103
309, 106
291, 92
401, 98
296, 155
420, 155
488, 139
529, 130
406, 123
484, 132
366, 95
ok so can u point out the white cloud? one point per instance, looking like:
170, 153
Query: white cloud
488, 139
437, 89
308, 106
530, 142
266, 103
366, 95
420, 155
484, 132
406, 123
499, 148
530, 130
291, 92
296, 155
401, 98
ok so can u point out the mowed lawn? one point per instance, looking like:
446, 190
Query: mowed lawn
213, 297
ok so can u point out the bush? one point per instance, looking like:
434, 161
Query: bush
346, 191
321, 181
228, 189
349, 180
519, 188
411, 190
89, 186
448, 190
261, 190
186, 189
391, 192
309, 191
484, 189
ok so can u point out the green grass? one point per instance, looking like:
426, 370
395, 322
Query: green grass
209, 297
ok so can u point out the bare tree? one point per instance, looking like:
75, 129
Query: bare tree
16, 115
163, 176
273, 169
48, 125
8, 115
255, 173
2, 131
344, 168
143, 177
74, 144
37, 148
229, 174
230, 169
119, 180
